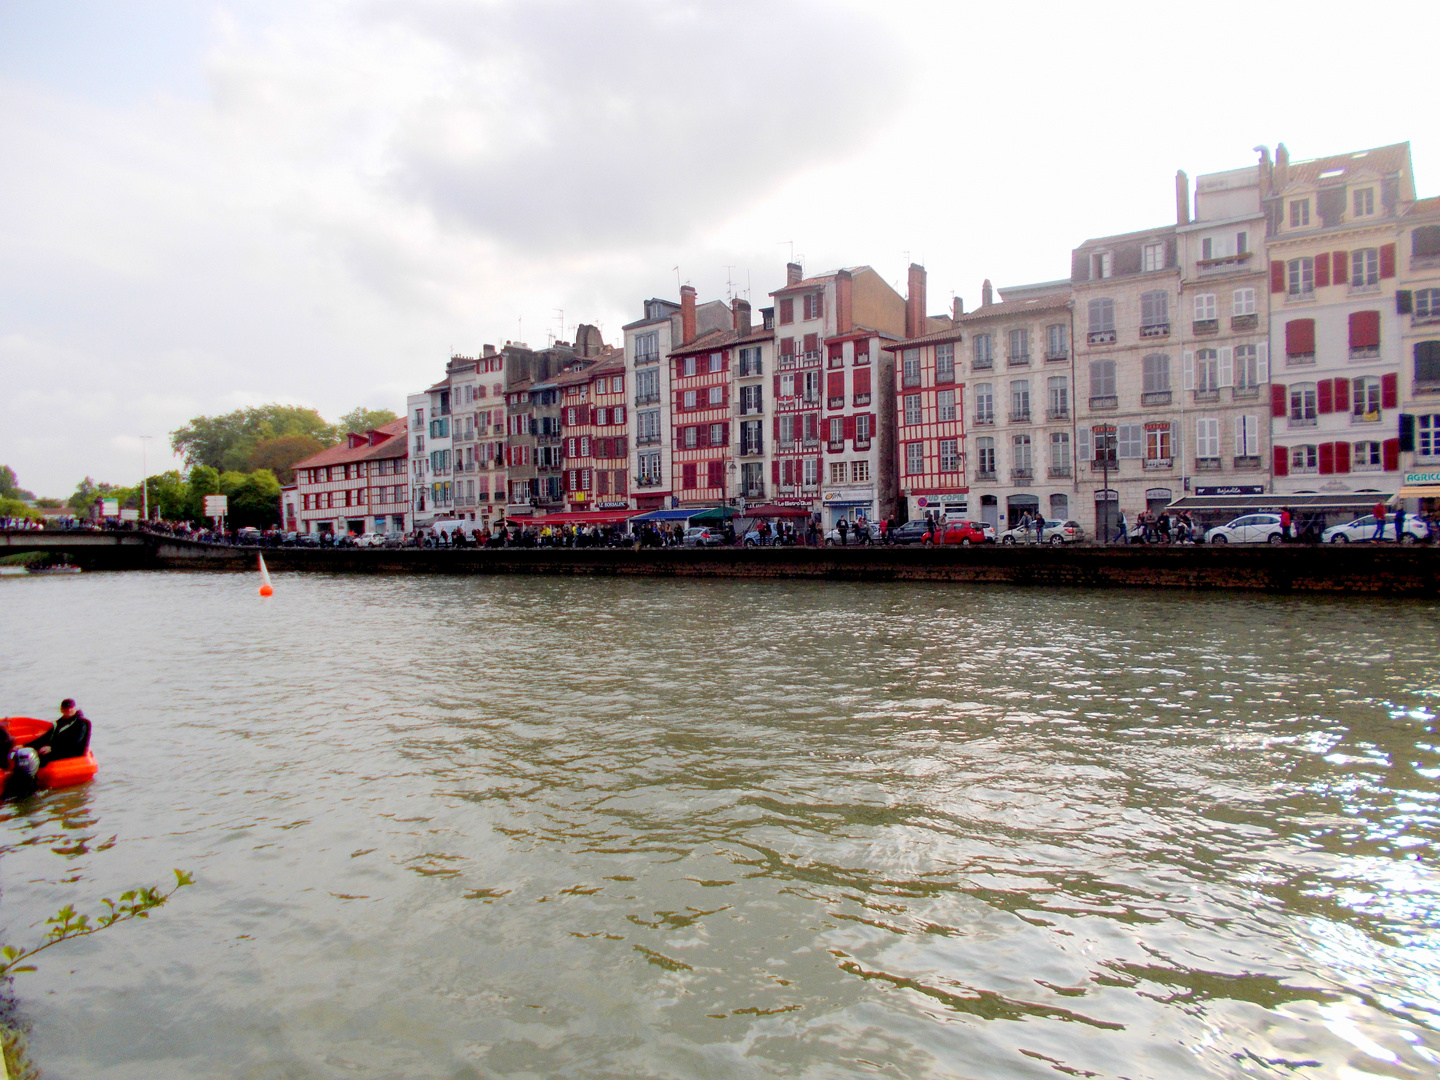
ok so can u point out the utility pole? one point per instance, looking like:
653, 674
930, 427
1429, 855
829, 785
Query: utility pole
144, 481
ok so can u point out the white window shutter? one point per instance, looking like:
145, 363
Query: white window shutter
1189, 371
1084, 444
1227, 366
1239, 436
1262, 362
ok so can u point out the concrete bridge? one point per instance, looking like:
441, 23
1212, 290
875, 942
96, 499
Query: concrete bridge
1356, 569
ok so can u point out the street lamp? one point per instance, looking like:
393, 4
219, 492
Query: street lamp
144, 481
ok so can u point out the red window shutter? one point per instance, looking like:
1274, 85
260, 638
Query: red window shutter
777, 429
1387, 260
775, 473
787, 310
1278, 405
862, 381
1390, 452
849, 429
1342, 396
717, 474
1364, 329
679, 436
1327, 458
727, 434
787, 348
837, 352
777, 386
1389, 390
1342, 457
702, 434
1322, 268
1326, 395
812, 343
1299, 337
1282, 461
874, 431
1340, 263
835, 384
1277, 276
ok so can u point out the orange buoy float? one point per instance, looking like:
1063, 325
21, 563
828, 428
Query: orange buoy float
266, 589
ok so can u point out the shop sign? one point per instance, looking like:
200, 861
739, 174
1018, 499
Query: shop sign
111, 507
1233, 489
622, 505
1420, 479
1107, 495
854, 495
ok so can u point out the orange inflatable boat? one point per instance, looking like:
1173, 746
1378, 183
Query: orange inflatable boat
67, 772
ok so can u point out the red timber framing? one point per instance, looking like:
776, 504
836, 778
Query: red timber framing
594, 425
700, 419
927, 419
797, 391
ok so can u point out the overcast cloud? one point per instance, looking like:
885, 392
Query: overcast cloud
208, 205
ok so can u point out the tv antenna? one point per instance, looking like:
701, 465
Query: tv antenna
792, 247
729, 282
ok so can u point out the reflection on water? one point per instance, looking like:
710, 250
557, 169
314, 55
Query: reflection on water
520, 827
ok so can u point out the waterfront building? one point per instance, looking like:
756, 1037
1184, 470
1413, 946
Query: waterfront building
431, 454
648, 343
290, 508
833, 327
594, 417
1418, 313
1017, 365
359, 485
456, 428
1223, 330
701, 372
1332, 233
1126, 289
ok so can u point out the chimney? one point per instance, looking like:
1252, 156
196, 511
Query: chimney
1282, 167
1182, 198
915, 302
687, 314
987, 294
958, 308
793, 274
740, 314
844, 320
489, 350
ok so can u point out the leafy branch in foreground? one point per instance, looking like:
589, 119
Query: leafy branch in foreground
65, 924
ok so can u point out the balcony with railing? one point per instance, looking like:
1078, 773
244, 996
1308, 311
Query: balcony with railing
984, 419
1244, 322
647, 440
1303, 421
1159, 463
1201, 327
1022, 476
1202, 396
1100, 337
1223, 264
835, 446
982, 363
647, 481
1058, 412
1056, 354
1104, 401
647, 358
1208, 464
1019, 416
862, 444
1058, 472
1155, 397
651, 397
754, 491
1365, 417
1299, 359
835, 402
985, 476
862, 399
1364, 352
1018, 359
1155, 330
751, 449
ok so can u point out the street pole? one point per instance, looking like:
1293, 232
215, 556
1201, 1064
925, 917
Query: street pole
144, 481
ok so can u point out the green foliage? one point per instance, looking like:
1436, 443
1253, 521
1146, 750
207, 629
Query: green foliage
254, 499
280, 454
10, 486
87, 491
228, 442
25, 558
49, 503
361, 419
66, 923
14, 508
18, 1065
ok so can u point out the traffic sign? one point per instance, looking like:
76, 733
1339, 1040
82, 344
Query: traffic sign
216, 506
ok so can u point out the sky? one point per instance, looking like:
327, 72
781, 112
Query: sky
210, 205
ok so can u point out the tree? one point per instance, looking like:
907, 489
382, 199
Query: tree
279, 455
254, 499
361, 419
226, 442
203, 481
87, 491
14, 508
10, 486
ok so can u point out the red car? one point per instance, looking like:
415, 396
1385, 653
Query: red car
964, 533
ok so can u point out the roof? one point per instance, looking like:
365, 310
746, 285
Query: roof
443, 384
1018, 307
1381, 159
818, 279
722, 339
1423, 206
392, 446
937, 337
1158, 230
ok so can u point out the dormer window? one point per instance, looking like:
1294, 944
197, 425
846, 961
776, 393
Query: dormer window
814, 305
1299, 213
1100, 264
1153, 257
1363, 202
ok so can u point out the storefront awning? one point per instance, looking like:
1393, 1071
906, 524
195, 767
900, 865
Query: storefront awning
1243, 504
1428, 492
587, 517
773, 510
666, 515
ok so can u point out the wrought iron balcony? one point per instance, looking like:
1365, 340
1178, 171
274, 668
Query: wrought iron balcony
1155, 330
1100, 337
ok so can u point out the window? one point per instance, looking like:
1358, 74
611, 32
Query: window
945, 362
1304, 459
718, 435
787, 431
862, 430
717, 395
1243, 302
1364, 268
1102, 378
862, 352
1102, 264
912, 408
1425, 242
812, 388
1427, 438
689, 366
949, 455
838, 471
811, 472
984, 351
750, 441
985, 455
1299, 213
717, 361
1247, 436
837, 430
1060, 450
1157, 442
1055, 344
1427, 304
750, 400
647, 346
1302, 403
691, 438
1205, 307
1207, 438
1363, 201
750, 361
1153, 257
1019, 345
647, 386
1365, 398
787, 385
945, 402
910, 367
1157, 374
1102, 316
1300, 339
1059, 387
814, 305
1300, 276
689, 399
1207, 371
914, 458
984, 403
1427, 363
1130, 441
1020, 400
837, 355
647, 424
787, 310
1020, 459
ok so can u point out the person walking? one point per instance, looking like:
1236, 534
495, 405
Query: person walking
1122, 528
1039, 524
841, 528
1399, 523
1379, 512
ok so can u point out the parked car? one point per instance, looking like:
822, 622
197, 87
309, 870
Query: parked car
1362, 531
702, 536
306, 539
251, 535
912, 532
1054, 531
963, 533
853, 535
370, 539
1249, 529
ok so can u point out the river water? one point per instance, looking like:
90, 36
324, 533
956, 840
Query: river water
519, 827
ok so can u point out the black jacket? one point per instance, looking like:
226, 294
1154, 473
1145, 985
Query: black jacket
70, 737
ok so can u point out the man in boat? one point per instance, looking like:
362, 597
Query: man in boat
18, 766
69, 738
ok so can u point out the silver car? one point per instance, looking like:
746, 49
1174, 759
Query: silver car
1054, 532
